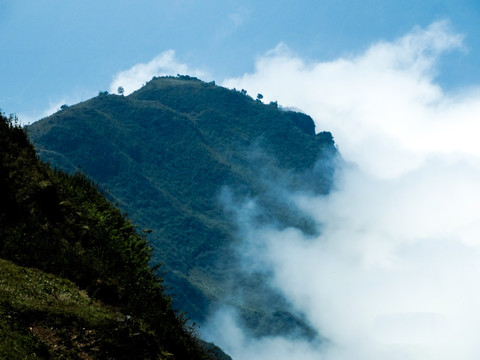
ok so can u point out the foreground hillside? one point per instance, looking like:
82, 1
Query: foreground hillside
75, 279
168, 154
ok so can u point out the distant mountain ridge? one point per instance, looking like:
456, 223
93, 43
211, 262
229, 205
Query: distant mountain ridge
165, 153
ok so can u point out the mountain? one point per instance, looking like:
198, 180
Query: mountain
168, 153
75, 276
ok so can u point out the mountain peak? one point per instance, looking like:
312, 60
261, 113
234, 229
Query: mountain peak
166, 152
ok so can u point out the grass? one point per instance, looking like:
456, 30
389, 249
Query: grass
35, 290
43, 316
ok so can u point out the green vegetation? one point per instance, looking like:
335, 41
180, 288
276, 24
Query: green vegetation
44, 316
75, 277
166, 152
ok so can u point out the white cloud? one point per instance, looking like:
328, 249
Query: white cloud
395, 271
238, 18
163, 64
383, 101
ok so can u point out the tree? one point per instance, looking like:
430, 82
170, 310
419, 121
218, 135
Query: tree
259, 96
120, 90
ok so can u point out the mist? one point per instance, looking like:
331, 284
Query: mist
394, 270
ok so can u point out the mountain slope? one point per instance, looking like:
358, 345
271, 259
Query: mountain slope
77, 283
167, 153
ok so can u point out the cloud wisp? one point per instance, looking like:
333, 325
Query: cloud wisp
393, 273
163, 64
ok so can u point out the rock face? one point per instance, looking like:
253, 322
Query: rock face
166, 152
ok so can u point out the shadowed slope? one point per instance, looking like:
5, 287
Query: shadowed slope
54, 227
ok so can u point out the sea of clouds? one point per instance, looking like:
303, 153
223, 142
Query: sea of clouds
395, 270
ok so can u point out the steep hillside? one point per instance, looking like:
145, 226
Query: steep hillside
167, 153
75, 279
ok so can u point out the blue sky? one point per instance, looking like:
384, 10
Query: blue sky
62, 51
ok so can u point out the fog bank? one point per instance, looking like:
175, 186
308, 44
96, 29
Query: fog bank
394, 271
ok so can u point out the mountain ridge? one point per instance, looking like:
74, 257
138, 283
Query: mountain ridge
165, 152
75, 275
